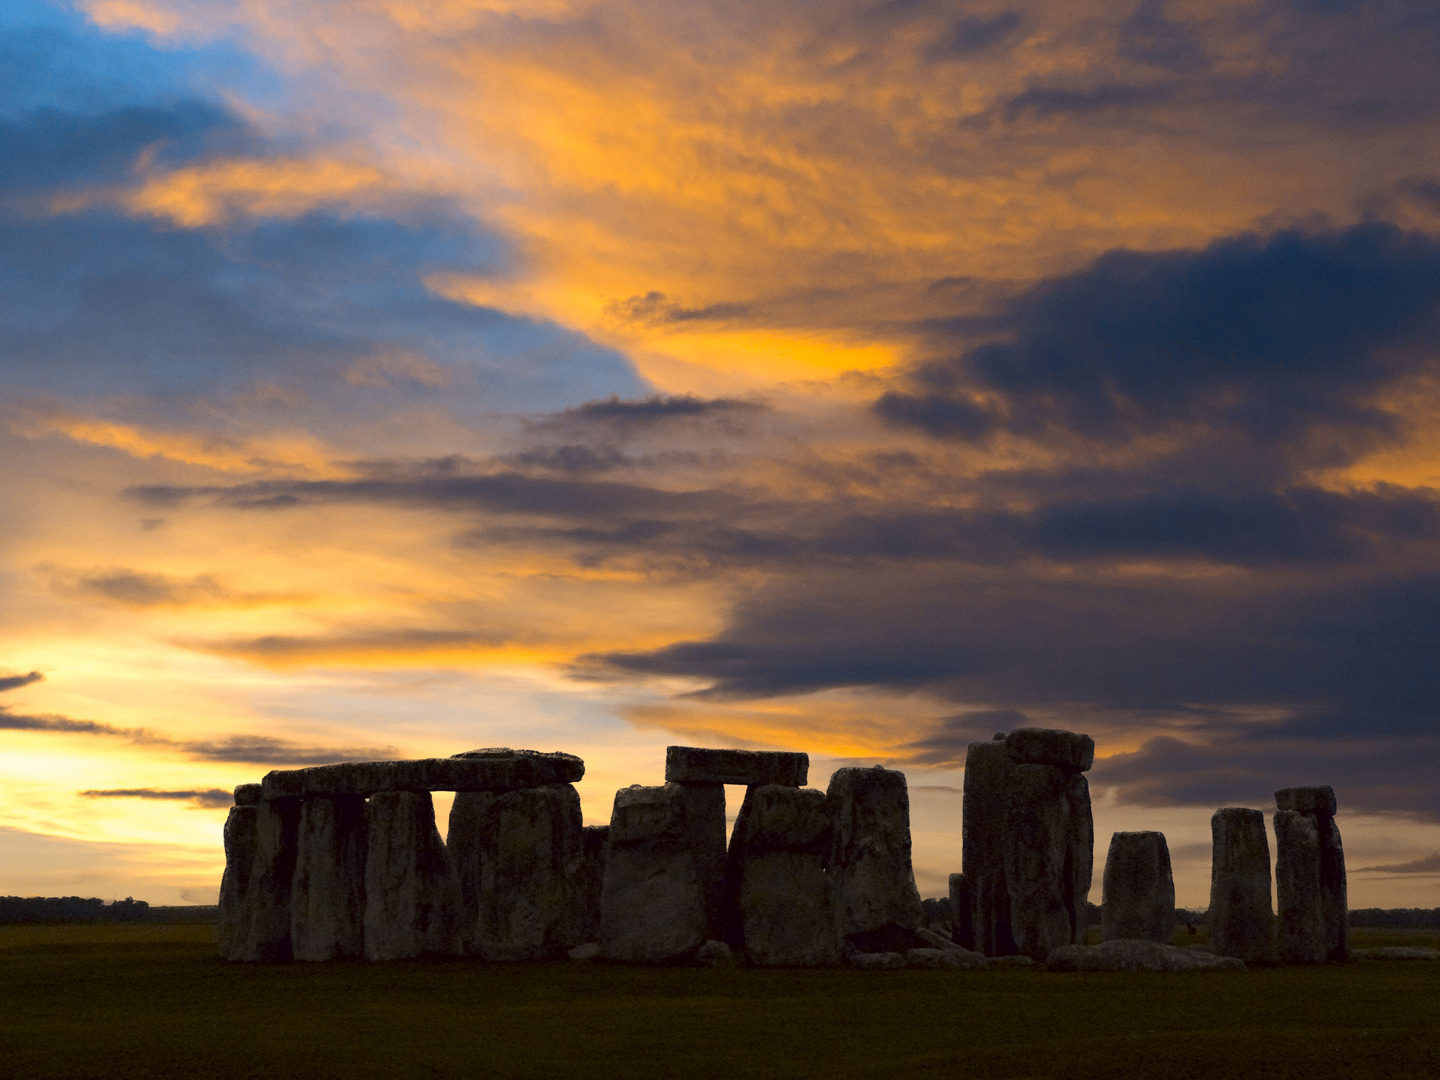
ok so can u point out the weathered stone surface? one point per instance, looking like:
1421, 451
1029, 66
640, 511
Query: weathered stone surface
695, 765
239, 861
704, 805
247, 795
412, 894
877, 961
1049, 850
653, 906
264, 936
1397, 952
1300, 916
1129, 954
1307, 800
1139, 889
781, 895
476, 770
936, 958
869, 864
587, 883
1240, 915
327, 899
961, 903
1065, 750
988, 773
516, 854
1333, 891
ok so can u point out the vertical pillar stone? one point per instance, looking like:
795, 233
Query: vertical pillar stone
988, 772
515, 853
655, 902
588, 882
412, 894
1319, 804
705, 818
265, 937
1300, 917
963, 933
1139, 889
873, 880
1240, 916
239, 861
782, 894
327, 904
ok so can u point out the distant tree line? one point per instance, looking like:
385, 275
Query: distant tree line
77, 909
1404, 918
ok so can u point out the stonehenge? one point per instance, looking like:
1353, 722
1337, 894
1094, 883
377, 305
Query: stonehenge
1028, 842
345, 862
1139, 889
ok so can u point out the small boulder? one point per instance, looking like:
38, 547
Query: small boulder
714, 954
583, 953
877, 961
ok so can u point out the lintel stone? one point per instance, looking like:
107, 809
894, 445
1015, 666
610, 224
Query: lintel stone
694, 765
1049, 746
1307, 800
475, 770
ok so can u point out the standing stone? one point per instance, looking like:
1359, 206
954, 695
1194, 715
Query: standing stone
654, 903
1319, 804
1300, 922
1049, 841
327, 903
1139, 889
963, 932
873, 880
412, 894
265, 925
988, 773
784, 913
587, 883
239, 860
247, 795
705, 819
515, 854
1240, 884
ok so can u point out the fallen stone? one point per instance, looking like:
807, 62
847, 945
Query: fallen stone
781, 894
247, 795
1014, 960
933, 958
1048, 746
963, 928
935, 940
264, 936
1127, 954
516, 854
1139, 889
412, 894
869, 863
1300, 916
583, 953
327, 902
877, 961
476, 770
1240, 915
695, 765
989, 770
587, 882
1048, 849
1307, 800
653, 905
714, 954
1397, 952
239, 838
967, 958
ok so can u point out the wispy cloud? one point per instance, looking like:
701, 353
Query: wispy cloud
206, 799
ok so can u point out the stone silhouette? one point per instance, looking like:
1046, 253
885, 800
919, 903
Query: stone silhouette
327, 902
752, 768
264, 936
412, 893
989, 769
869, 863
1139, 889
1319, 805
1300, 915
235, 883
1240, 884
588, 882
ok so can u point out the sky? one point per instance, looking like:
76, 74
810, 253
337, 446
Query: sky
388, 378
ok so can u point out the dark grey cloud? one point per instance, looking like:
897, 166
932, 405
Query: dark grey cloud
206, 799
1267, 337
238, 749
945, 745
133, 588
14, 682
1428, 864
971, 34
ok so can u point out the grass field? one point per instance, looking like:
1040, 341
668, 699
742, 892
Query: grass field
118, 1002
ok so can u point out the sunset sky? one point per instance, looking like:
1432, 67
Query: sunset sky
389, 378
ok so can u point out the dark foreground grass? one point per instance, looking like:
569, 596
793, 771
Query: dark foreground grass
154, 1002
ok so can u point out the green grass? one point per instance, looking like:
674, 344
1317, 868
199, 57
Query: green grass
149, 1001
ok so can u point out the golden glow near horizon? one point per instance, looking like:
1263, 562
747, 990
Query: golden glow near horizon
783, 207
